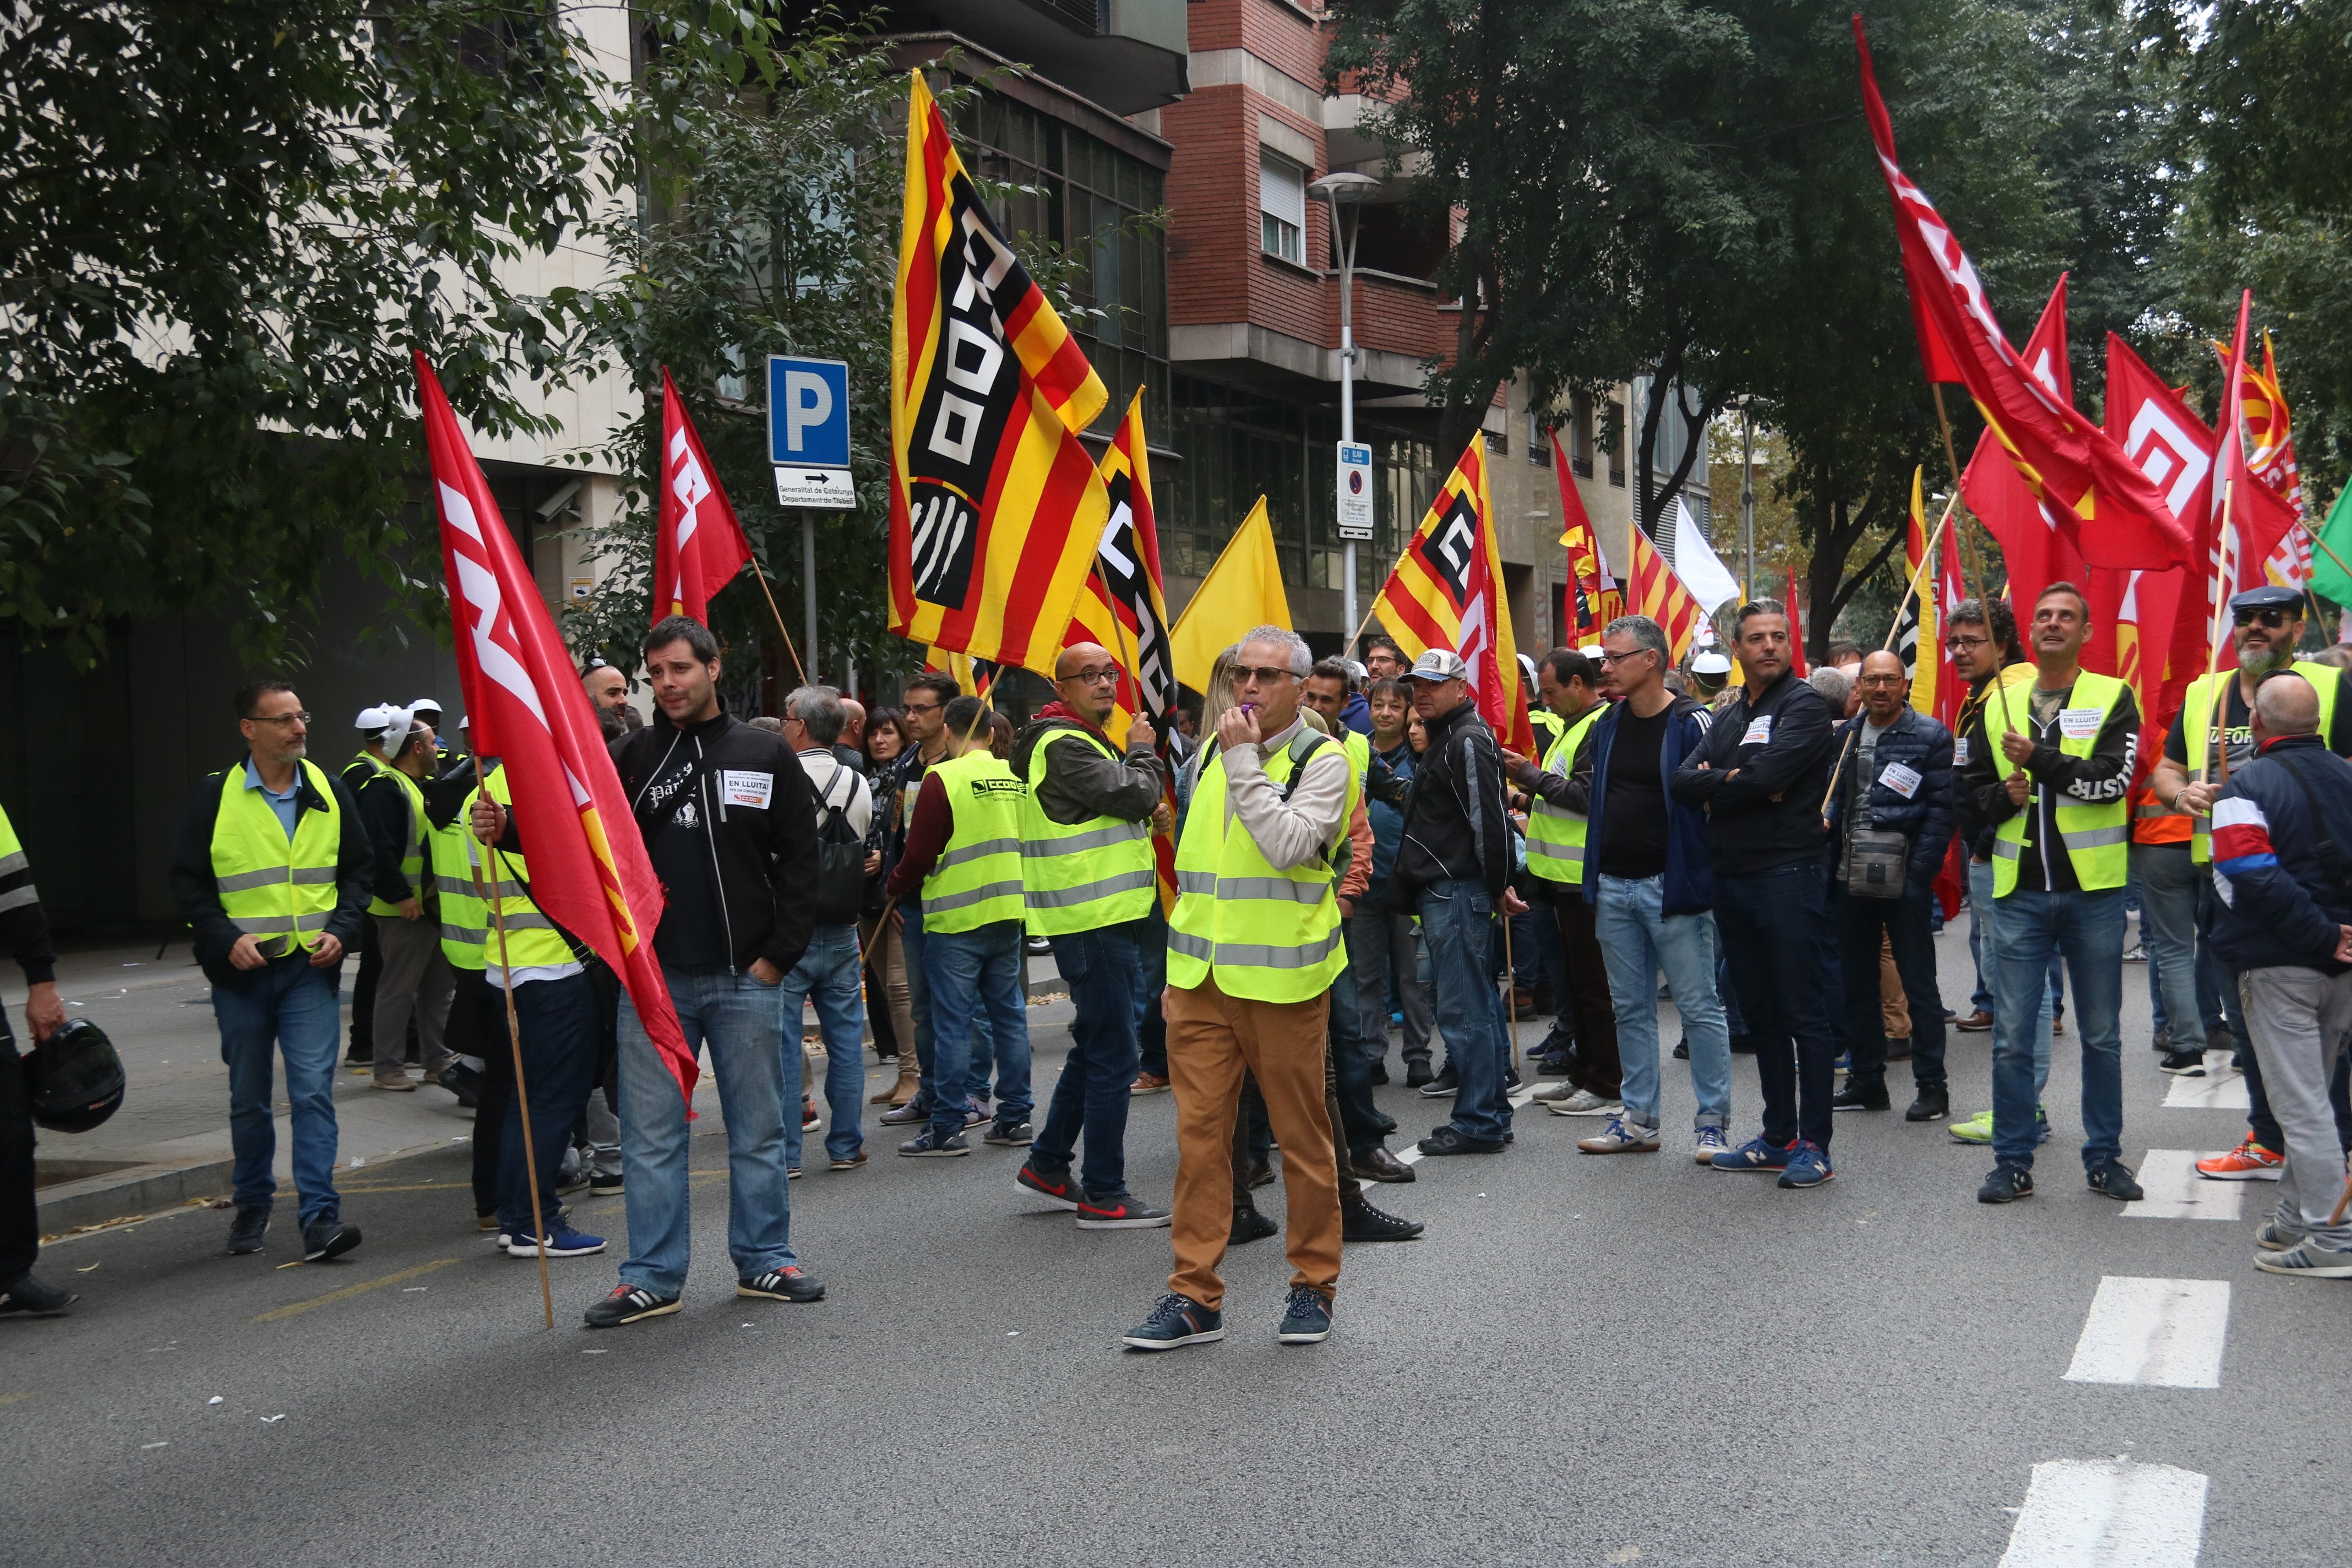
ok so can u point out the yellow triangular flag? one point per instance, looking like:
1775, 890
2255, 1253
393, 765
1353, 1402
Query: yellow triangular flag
1243, 590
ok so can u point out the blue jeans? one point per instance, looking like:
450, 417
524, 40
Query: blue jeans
289, 1005
1984, 919
1150, 1028
2167, 927
1458, 922
1636, 941
2214, 980
1358, 1128
828, 975
972, 974
562, 1038
738, 1019
982, 1051
1773, 924
2087, 929
1104, 969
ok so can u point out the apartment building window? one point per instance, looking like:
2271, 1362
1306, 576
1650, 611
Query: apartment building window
1579, 434
1282, 207
1615, 436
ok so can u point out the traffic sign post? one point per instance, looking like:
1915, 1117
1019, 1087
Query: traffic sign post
1355, 492
808, 445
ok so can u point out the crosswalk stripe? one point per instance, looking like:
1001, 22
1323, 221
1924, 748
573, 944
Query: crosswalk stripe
2175, 1190
2163, 1333
2109, 1513
1411, 1153
2223, 1088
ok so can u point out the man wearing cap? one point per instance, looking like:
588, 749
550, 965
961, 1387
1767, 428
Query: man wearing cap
414, 981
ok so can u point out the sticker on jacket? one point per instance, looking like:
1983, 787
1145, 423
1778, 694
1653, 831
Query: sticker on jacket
1759, 732
1903, 781
2080, 723
1960, 753
738, 787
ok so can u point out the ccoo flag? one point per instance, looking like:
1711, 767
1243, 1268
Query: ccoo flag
996, 506
1581, 623
1448, 592
527, 709
699, 546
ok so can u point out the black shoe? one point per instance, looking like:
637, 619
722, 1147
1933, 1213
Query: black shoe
1510, 1078
1743, 1045
1249, 1225
1261, 1175
1933, 1105
1377, 1164
1384, 1122
1061, 1189
1443, 1085
1447, 1140
463, 1082
1551, 1066
790, 1283
2113, 1180
1362, 1221
1898, 1050
605, 1184
325, 1238
360, 1056
2006, 1185
1682, 1050
1010, 1134
1380, 1073
1416, 1074
1864, 1095
627, 1304
245, 1232
928, 1145
2187, 1063
29, 1298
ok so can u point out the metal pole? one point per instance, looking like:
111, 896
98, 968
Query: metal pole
1347, 386
808, 591
1747, 502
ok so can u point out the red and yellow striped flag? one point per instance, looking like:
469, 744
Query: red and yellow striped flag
1654, 591
996, 506
1448, 592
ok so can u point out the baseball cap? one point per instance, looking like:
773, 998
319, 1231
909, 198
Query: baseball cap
2268, 597
1439, 663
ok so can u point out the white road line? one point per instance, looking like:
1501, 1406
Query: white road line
2165, 1333
1411, 1153
2223, 1088
2175, 1190
2109, 1513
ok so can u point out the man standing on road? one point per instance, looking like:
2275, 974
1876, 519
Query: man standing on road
828, 972
373, 725
1252, 948
1091, 883
1895, 776
414, 981
25, 926
1382, 936
271, 872
2284, 927
1761, 775
2053, 782
729, 824
924, 718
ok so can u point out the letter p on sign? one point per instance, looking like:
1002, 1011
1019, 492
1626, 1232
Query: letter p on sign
807, 401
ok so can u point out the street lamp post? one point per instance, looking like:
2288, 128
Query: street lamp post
1347, 191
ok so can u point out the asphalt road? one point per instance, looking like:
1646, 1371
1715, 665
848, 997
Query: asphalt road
1629, 1360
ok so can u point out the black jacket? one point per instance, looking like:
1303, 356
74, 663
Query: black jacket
198, 892
2281, 903
1455, 825
767, 858
1748, 830
2105, 775
1924, 816
25, 925
383, 812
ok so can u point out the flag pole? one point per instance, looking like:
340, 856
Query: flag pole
2313, 535
797, 668
488, 894
2220, 608
1982, 595
1926, 559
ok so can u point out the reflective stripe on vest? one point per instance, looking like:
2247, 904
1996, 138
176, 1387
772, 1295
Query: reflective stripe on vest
1555, 834
2197, 738
2153, 822
411, 855
11, 860
465, 918
1081, 876
2096, 839
1268, 935
977, 880
279, 892
532, 941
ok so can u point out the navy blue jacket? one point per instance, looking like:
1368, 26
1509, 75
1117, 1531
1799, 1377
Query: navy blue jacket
1689, 887
2280, 905
1926, 819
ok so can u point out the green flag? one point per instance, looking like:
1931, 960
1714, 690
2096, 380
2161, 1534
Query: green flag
2336, 533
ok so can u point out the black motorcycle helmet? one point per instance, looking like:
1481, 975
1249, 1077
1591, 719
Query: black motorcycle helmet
74, 1079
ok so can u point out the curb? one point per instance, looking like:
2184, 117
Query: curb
139, 1189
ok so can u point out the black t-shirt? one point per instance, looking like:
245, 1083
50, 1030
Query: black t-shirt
2238, 725
672, 813
1633, 843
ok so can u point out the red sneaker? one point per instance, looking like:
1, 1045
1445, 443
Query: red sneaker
2249, 1161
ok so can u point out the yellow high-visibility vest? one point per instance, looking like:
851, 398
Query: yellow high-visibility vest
1268, 934
1555, 834
977, 880
279, 890
1081, 876
2096, 839
2197, 724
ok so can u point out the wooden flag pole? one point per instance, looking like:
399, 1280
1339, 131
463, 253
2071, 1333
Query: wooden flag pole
1510, 991
1926, 559
488, 894
798, 668
1952, 461
2313, 535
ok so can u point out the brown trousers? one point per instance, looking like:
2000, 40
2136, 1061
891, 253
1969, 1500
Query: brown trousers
1212, 1039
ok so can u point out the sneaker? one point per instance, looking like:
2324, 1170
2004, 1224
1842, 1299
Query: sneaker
2307, 1259
905, 1115
1418, 1076
1149, 1083
2113, 1180
605, 1184
1583, 1102
488, 1222
1176, 1321
1807, 1167
851, 1163
1062, 1191
973, 1115
1621, 1137
2275, 1237
463, 1082
1362, 1221
790, 1283
792, 1173
810, 1119
2139, 953
1553, 1092
1118, 1214
1975, 1022
1307, 1320
1440, 1087
1976, 1128
2183, 1064
1711, 1142
1756, 1155
627, 1304
1861, 1096
403, 1084
929, 1145
325, 1238
245, 1232
1249, 1225
2249, 1161
562, 1241
29, 1298
1449, 1140
2006, 1185
1932, 1105
1008, 1134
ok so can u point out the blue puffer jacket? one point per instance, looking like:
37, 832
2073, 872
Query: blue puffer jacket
2281, 903
1926, 817
1689, 883
1388, 832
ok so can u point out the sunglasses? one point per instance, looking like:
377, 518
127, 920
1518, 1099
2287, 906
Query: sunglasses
1262, 674
2271, 616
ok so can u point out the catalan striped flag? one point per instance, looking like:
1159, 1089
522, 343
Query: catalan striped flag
1448, 592
1654, 591
973, 675
1936, 688
995, 505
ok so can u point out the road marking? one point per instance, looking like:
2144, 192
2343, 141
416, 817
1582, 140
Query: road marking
2223, 1088
2175, 1190
2166, 1333
1411, 1154
11, 1398
2109, 1513
347, 1292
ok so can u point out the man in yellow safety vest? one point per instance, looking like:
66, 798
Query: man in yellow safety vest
413, 981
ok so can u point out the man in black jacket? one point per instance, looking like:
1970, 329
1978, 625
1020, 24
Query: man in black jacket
25, 926
1761, 773
1894, 775
412, 980
730, 825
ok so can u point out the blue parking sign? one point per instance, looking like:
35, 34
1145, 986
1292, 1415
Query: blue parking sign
808, 412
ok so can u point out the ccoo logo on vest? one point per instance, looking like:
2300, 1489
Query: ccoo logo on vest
986, 786
808, 432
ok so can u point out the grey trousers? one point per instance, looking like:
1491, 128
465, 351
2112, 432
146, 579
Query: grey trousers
415, 979
2298, 1018
1375, 938
2168, 923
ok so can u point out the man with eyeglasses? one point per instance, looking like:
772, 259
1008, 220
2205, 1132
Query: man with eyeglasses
271, 871
1092, 883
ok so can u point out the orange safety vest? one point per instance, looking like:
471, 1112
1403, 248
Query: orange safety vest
2153, 822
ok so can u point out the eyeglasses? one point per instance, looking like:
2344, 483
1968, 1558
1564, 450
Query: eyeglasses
281, 718
1882, 679
1093, 677
2271, 616
925, 707
1260, 674
1608, 658
1968, 642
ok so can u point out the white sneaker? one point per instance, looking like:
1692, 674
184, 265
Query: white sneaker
1551, 1092
1621, 1137
1584, 1102
1711, 1142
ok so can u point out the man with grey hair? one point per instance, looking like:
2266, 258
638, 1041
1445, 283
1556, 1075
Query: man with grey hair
827, 972
1835, 687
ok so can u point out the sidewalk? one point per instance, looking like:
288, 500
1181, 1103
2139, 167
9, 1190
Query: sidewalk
170, 1142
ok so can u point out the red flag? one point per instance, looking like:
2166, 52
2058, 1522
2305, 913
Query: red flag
529, 709
1796, 629
2063, 457
2258, 513
699, 546
1584, 565
2033, 538
2173, 447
